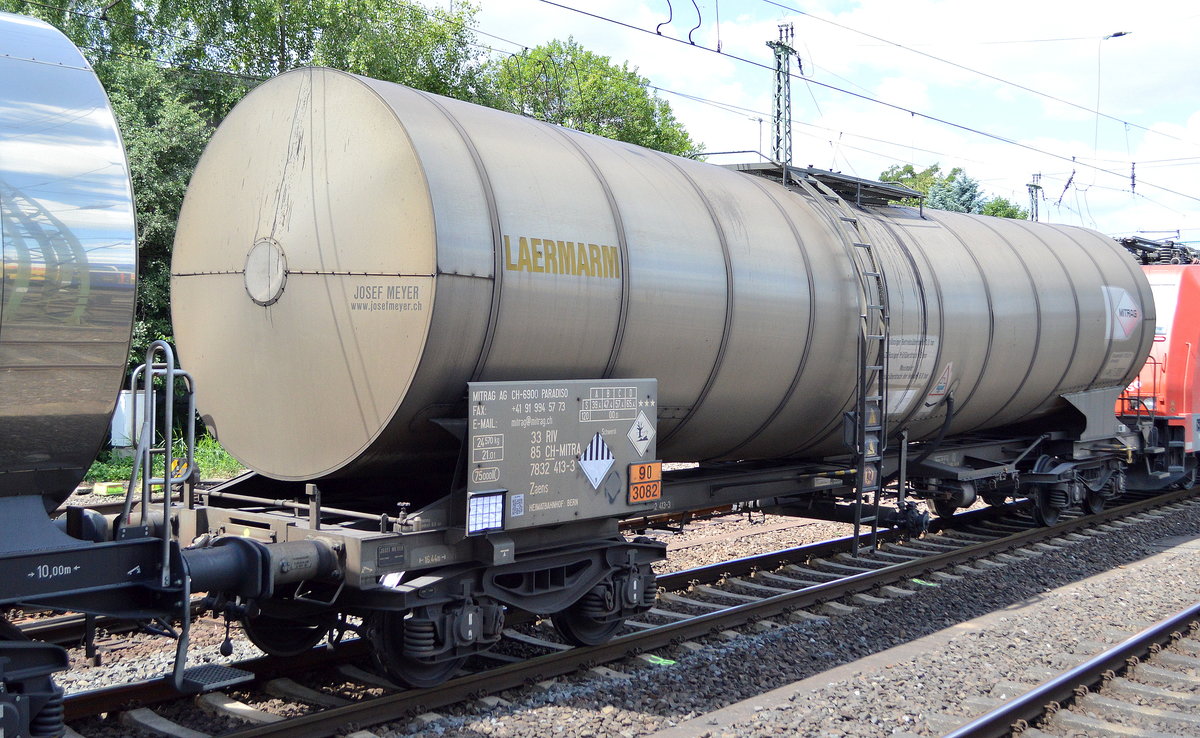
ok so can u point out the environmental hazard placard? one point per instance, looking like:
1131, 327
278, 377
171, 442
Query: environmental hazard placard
641, 433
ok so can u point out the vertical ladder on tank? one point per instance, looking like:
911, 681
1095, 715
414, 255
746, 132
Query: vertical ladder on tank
870, 407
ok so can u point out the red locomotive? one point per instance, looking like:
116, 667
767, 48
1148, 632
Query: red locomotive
1164, 401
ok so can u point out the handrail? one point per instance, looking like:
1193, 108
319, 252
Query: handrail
146, 451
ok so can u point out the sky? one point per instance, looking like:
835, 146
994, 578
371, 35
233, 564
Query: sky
1012, 93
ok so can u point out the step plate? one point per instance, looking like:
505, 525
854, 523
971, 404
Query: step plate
207, 677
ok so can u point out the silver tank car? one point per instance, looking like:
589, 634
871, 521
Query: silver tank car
69, 261
352, 252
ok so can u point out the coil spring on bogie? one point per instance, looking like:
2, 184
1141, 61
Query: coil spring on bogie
651, 592
420, 636
49, 720
1059, 497
593, 605
1174, 256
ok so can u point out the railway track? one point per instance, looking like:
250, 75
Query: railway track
815, 581
1144, 685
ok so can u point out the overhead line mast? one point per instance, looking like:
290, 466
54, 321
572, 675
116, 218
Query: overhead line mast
781, 109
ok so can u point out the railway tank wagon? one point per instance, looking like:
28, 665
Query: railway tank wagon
351, 253
69, 263
392, 302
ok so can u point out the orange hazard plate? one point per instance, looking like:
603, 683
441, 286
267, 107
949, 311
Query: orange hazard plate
645, 482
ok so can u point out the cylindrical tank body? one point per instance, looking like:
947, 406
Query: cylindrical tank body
352, 252
69, 261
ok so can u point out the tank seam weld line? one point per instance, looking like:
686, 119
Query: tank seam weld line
493, 219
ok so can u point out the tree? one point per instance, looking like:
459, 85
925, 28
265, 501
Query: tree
97, 28
955, 191
959, 195
563, 83
920, 181
394, 40
164, 135
1000, 207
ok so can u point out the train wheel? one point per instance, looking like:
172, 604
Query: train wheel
1044, 513
945, 508
581, 625
1093, 502
419, 673
1189, 480
285, 637
387, 635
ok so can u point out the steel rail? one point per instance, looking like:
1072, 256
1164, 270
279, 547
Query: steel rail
69, 629
774, 559
1028, 707
404, 704
138, 694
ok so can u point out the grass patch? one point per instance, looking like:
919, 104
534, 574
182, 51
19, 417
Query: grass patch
213, 461
109, 468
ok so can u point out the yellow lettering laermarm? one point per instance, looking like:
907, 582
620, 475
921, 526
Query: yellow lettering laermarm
551, 256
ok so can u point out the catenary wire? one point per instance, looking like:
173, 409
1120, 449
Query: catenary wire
972, 70
868, 98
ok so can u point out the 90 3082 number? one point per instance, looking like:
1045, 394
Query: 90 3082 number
645, 482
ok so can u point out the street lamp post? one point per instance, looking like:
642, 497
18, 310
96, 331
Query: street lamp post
1096, 131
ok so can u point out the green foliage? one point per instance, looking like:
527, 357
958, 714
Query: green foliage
429, 49
164, 135
98, 28
564, 83
1000, 207
921, 181
393, 40
213, 461
108, 467
954, 191
958, 195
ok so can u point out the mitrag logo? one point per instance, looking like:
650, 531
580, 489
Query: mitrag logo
1124, 313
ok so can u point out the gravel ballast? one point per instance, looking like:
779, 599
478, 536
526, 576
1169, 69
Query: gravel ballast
1045, 607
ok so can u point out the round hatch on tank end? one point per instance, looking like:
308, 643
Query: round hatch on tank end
266, 272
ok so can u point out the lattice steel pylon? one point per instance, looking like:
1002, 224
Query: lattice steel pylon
781, 109
1035, 189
